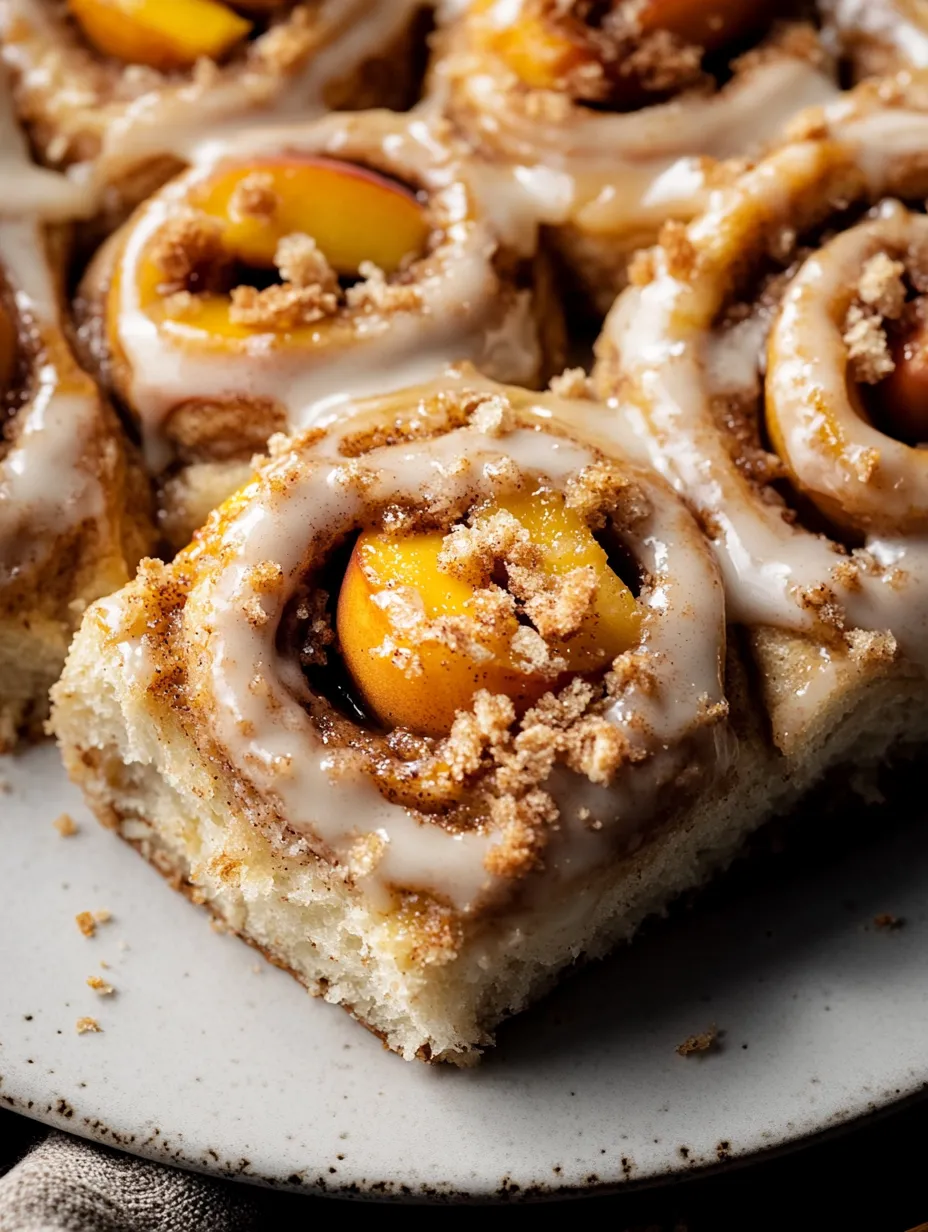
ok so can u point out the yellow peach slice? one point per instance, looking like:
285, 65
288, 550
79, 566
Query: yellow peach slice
352, 213
162, 34
8, 342
443, 679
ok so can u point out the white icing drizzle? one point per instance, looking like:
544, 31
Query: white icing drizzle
621, 172
466, 313
30, 191
899, 24
310, 495
673, 362
43, 486
176, 118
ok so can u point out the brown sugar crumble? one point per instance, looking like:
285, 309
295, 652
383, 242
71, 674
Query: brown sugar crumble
184, 245
100, 986
65, 824
88, 1026
880, 297
87, 921
301, 263
254, 197
571, 383
282, 306
700, 1044
375, 294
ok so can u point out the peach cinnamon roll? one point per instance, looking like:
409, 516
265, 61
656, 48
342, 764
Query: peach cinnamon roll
73, 518
612, 115
434, 705
771, 356
292, 270
125, 89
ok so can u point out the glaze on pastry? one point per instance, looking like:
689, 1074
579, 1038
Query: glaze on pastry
123, 91
292, 270
73, 509
613, 116
768, 358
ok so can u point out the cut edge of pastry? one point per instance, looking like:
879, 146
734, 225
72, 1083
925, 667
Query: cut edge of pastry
133, 774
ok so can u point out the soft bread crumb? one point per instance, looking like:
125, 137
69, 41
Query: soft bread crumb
88, 1026
65, 824
703, 1042
100, 986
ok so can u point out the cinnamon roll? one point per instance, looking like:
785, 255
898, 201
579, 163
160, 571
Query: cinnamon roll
125, 89
771, 356
435, 704
292, 269
612, 115
73, 518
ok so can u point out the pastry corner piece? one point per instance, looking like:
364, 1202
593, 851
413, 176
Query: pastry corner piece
436, 705
74, 516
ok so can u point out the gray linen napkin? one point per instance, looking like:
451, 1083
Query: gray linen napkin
67, 1185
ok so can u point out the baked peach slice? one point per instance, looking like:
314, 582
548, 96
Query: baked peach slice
543, 46
902, 397
709, 24
352, 213
8, 348
162, 34
408, 678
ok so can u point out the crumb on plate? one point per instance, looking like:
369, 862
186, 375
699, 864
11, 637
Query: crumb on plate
65, 824
704, 1041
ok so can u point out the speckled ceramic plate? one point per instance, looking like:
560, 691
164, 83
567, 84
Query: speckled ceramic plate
210, 1058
